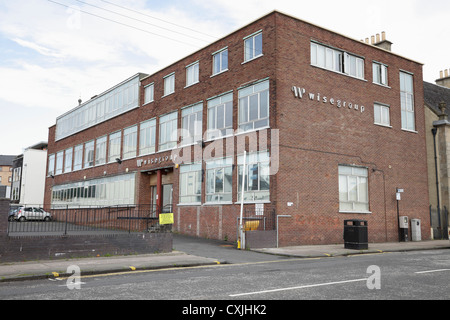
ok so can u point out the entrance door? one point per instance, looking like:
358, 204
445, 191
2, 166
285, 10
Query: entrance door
167, 198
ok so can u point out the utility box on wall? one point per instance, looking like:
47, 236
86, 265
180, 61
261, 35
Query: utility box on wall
416, 234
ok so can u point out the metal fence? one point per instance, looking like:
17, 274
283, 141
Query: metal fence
70, 220
258, 220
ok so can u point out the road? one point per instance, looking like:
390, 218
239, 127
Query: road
419, 275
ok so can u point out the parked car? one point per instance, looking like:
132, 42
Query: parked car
31, 213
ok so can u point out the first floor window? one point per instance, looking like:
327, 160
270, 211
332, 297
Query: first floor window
190, 183
381, 115
89, 154
147, 137
380, 75
254, 106
220, 116
219, 177
68, 160
191, 124
168, 131
100, 151
257, 178
59, 162
130, 142
78, 157
51, 165
353, 189
114, 146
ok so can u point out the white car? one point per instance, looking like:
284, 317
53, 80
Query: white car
32, 213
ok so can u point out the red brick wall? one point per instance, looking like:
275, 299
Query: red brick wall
315, 137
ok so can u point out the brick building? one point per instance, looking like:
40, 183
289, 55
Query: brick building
332, 126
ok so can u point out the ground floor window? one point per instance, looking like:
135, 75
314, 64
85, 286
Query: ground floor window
353, 189
257, 178
110, 191
190, 189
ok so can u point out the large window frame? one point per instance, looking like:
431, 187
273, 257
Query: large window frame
192, 124
68, 159
257, 177
219, 181
100, 150
78, 157
254, 107
407, 101
253, 46
192, 73
168, 135
89, 150
220, 61
190, 190
169, 84
114, 144
380, 73
382, 114
220, 116
130, 142
147, 137
353, 189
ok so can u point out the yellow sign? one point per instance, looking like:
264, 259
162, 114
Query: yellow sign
165, 218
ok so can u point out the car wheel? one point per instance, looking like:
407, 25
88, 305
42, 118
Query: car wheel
47, 219
22, 219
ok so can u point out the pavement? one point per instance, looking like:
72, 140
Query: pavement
22, 271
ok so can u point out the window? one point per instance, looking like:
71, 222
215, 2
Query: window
219, 177
191, 124
114, 146
192, 74
168, 131
380, 75
381, 115
147, 137
169, 84
111, 191
257, 179
254, 106
59, 162
130, 142
51, 165
407, 101
220, 116
149, 93
89, 154
337, 60
68, 160
100, 151
253, 46
353, 189
78, 157
191, 183
220, 61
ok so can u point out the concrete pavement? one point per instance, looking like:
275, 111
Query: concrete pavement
117, 264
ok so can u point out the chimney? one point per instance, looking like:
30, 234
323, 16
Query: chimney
380, 41
444, 78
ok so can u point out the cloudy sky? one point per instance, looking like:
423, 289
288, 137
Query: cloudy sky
53, 52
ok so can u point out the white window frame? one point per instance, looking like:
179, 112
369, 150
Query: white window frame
89, 150
78, 157
353, 189
147, 137
190, 184
251, 51
169, 84
100, 150
407, 101
68, 159
219, 59
114, 144
130, 142
192, 73
246, 96
168, 135
382, 115
219, 168
51, 165
192, 124
59, 162
149, 93
220, 104
262, 162
380, 73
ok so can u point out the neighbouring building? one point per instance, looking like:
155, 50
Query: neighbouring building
29, 175
5, 175
331, 127
437, 104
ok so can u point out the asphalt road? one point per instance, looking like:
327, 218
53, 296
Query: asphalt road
419, 275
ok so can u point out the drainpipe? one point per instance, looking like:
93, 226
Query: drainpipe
434, 131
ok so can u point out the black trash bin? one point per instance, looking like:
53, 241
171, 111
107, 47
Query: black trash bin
356, 235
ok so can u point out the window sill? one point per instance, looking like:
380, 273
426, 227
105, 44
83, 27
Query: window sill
355, 212
341, 73
218, 203
250, 131
220, 72
194, 204
253, 202
382, 85
408, 130
382, 125
254, 58
192, 84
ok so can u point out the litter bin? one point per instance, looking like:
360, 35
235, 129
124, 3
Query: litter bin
356, 235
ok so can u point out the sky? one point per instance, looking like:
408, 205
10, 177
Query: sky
54, 52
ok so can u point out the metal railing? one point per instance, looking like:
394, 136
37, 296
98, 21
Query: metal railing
70, 220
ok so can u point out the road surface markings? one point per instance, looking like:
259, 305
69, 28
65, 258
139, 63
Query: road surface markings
432, 271
297, 288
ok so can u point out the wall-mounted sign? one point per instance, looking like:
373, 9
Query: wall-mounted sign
301, 93
153, 160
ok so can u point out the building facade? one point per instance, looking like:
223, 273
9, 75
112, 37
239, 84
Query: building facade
328, 128
6, 163
29, 175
